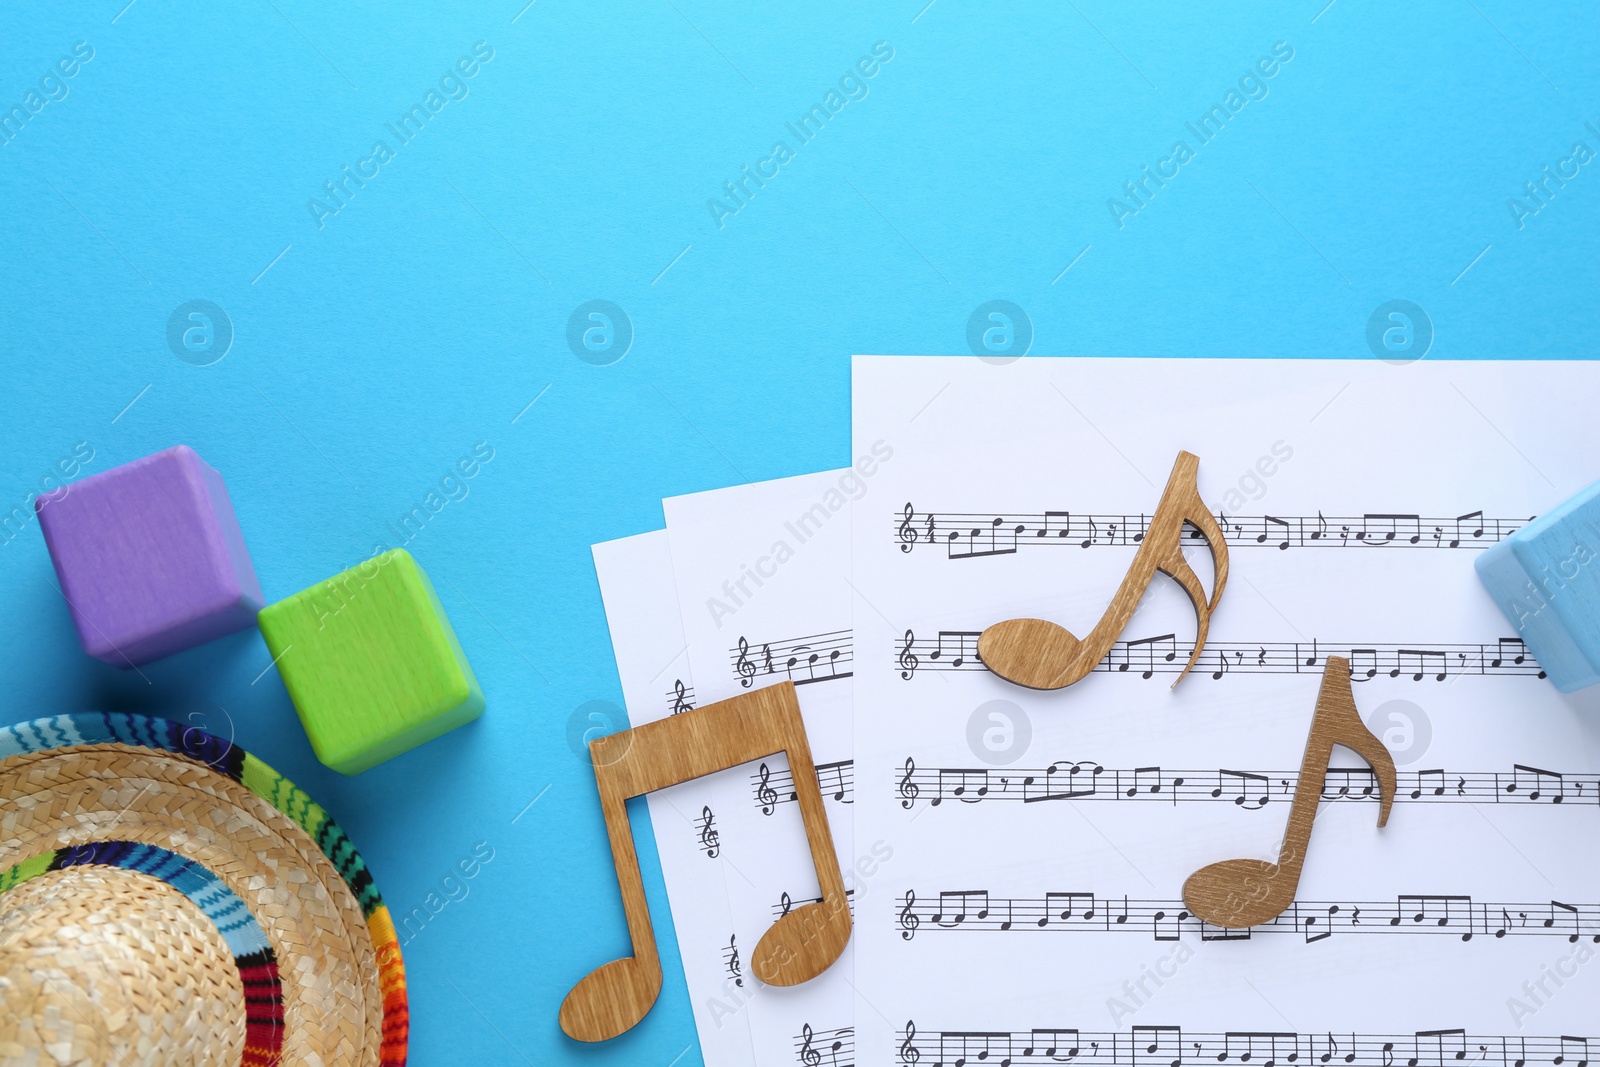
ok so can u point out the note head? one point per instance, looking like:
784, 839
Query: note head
1237, 893
802, 944
1033, 653
610, 1000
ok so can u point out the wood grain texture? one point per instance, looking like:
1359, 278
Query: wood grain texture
611, 999
1239, 893
1042, 655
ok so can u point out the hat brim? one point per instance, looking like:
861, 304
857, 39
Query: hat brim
75, 781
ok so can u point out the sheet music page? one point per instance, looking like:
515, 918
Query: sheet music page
1033, 910
641, 603
762, 577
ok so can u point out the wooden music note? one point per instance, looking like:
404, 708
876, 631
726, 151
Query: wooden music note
612, 999
1237, 893
1042, 655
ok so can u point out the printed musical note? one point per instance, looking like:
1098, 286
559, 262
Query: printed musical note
835, 779
1248, 790
1535, 783
1247, 892
1453, 912
1381, 530
1145, 650
613, 998
993, 538
955, 648
1254, 1046
1477, 531
710, 841
682, 697
1425, 661
1271, 523
956, 904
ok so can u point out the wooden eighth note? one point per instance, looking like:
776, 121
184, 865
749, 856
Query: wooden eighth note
611, 999
1039, 654
1239, 893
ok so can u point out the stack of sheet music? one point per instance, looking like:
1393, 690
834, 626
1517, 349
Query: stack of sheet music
1016, 858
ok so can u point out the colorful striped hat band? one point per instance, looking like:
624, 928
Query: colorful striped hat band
167, 898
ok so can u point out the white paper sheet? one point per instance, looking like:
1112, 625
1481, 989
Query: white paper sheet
1120, 976
762, 575
641, 604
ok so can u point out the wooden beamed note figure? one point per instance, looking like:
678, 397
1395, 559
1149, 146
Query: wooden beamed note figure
611, 999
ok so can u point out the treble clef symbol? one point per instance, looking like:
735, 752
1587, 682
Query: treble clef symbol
765, 793
785, 905
680, 702
909, 790
908, 1051
808, 1055
743, 666
907, 532
907, 660
735, 971
709, 838
908, 918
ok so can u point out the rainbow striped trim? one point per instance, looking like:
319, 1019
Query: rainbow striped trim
258, 966
224, 757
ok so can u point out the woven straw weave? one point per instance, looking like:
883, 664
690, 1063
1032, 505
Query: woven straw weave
103, 966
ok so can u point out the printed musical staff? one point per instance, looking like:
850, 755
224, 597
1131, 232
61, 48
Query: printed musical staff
1170, 1046
826, 1048
972, 535
771, 788
803, 660
1146, 657
1251, 790
710, 841
1456, 916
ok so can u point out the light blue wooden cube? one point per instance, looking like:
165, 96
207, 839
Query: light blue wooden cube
1546, 578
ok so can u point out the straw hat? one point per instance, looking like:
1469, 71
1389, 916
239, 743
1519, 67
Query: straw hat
168, 899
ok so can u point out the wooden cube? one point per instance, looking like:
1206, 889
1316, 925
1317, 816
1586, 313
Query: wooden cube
1546, 578
150, 557
371, 662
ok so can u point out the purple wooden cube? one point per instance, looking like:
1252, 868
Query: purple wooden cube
150, 558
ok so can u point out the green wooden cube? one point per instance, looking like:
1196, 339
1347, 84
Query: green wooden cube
371, 662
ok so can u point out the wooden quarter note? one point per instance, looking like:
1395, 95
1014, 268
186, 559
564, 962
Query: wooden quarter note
611, 999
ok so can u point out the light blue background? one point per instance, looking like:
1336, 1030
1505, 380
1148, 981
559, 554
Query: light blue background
374, 352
